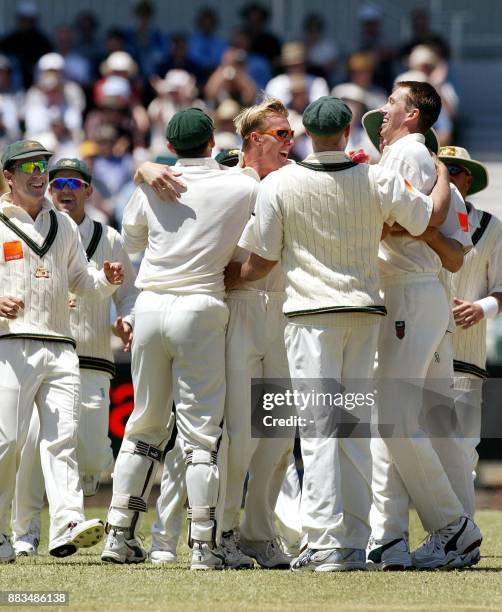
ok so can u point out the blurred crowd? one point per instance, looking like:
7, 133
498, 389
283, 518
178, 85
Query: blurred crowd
106, 96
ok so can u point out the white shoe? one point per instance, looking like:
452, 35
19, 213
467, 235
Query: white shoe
27, 544
7, 554
234, 557
269, 554
120, 548
206, 558
390, 556
330, 560
454, 546
90, 485
78, 535
162, 556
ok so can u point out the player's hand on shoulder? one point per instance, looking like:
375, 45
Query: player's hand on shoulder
10, 306
123, 330
162, 179
466, 313
114, 272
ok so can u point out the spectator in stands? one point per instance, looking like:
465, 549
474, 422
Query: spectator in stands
145, 42
370, 40
257, 66
113, 167
356, 99
26, 42
254, 21
204, 46
225, 135
118, 107
174, 92
87, 41
231, 80
52, 90
11, 101
58, 138
421, 34
293, 62
77, 67
427, 60
322, 51
361, 70
119, 63
178, 60
299, 102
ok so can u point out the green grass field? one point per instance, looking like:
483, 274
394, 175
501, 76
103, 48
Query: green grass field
146, 587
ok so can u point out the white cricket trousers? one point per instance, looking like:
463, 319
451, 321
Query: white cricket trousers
336, 495
94, 453
178, 353
408, 466
45, 374
288, 510
254, 349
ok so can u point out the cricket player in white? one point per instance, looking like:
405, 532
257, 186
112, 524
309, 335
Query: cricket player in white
42, 259
305, 218
254, 349
475, 292
179, 340
407, 466
70, 187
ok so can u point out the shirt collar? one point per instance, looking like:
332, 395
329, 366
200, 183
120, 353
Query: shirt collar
405, 139
327, 156
474, 217
208, 162
7, 204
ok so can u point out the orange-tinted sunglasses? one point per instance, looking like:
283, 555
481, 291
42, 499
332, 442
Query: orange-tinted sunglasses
279, 133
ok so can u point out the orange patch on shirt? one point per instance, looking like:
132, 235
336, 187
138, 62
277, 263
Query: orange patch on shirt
13, 250
408, 185
463, 220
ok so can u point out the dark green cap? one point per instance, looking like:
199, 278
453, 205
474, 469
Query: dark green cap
372, 122
189, 128
327, 115
228, 157
23, 149
77, 165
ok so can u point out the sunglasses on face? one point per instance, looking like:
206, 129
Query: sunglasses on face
279, 134
29, 167
454, 170
72, 183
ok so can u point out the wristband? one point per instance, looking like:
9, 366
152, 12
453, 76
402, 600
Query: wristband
490, 306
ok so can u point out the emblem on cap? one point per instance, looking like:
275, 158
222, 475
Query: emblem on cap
449, 151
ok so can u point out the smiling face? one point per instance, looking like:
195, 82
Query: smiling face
397, 116
71, 201
272, 151
27, 188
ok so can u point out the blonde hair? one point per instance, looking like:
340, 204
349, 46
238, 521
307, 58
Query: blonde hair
252, 118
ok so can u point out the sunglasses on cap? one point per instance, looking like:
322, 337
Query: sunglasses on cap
29, 167
72, 183
279, 133
454, 170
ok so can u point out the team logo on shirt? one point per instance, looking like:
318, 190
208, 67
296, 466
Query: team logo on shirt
400, 329
41, 272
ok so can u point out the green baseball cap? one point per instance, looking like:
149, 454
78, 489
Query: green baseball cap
228, 157
327, 115
372, 121
23, 149
77, 165
189, 128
